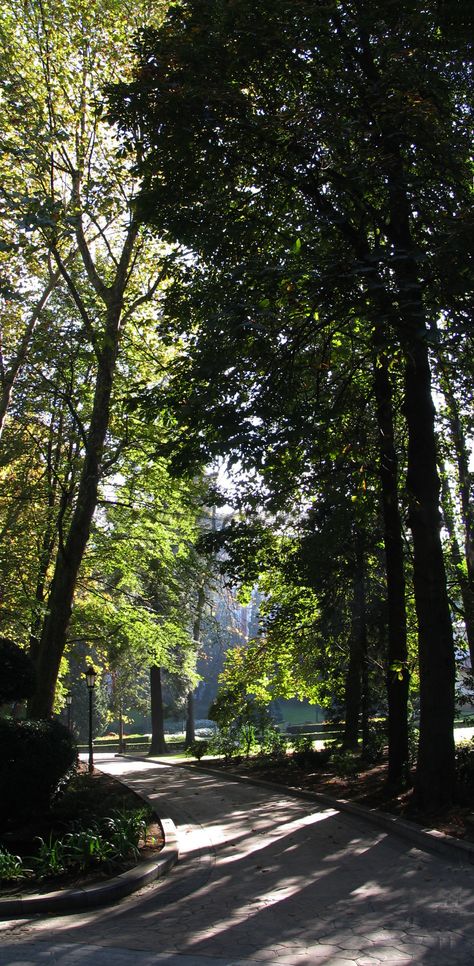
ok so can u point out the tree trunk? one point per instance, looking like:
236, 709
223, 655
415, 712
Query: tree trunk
435, 776
121, 746
190, 735
458, 560
357, 654
158, 743
190, 724
70, 554
465, 478
397, 657
435, 769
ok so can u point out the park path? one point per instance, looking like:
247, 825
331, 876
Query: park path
264, 878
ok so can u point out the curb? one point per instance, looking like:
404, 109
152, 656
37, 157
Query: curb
72, 900
428, 840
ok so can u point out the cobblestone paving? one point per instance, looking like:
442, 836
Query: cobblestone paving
265, 879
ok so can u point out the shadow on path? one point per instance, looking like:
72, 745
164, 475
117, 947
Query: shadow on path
272, 879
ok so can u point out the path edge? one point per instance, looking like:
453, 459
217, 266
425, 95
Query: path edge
102, 893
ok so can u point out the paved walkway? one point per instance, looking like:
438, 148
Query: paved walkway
264, 879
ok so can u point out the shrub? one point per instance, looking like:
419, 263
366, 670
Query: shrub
465, 761
17, 673
227, 742
413, 741
124, 830
305, 755
374, 746
273, 744
345, 763
36, 758
197, 749
11, 867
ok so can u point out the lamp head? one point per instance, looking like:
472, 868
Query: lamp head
91, 677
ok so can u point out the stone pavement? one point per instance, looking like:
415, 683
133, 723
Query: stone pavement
264, 879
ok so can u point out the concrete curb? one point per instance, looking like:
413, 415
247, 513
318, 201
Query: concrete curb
428, 840
72, 900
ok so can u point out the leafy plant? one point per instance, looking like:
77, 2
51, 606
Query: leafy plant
11, 867
374, 746
37, 757
413, 740
465, 761
305, 755
86, 848
273, 744
345, 763
51, 858
227, 742
124, 830
197, 749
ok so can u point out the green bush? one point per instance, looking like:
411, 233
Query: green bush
345, 763
272, 744
198, 748
17, 673
124, 830
36, 758
305, 755
227, 742
374, 747
111, 841
11, 867
465, 761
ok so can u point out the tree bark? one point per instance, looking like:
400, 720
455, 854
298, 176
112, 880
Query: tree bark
158, 743
465, 480
397, 658
357, 653
190, 723
458, 560
435, 775
70, 554
190, 734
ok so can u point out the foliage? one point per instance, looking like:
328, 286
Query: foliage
413, 742
198, 748
374, 745
345, 763
110, 841
124, 830
315, 165
465, 761
16, 672
231, 741
37, 757
272, 744
11, 867
305, 755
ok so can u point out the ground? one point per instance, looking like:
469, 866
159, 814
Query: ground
368, 787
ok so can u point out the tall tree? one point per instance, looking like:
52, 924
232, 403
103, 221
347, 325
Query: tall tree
77, 200
346, 126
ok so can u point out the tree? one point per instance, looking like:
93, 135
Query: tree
345, 130
76, 200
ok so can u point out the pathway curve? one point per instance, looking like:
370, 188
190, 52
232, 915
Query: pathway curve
264, 879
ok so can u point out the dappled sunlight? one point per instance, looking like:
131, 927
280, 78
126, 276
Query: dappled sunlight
264, 877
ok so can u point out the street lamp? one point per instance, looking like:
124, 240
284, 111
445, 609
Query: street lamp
91, 677
69, 709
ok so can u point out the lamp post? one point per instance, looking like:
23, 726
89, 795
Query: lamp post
91, 677
69, 709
